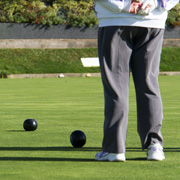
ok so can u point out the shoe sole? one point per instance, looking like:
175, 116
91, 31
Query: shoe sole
155, 158
111, 159
108, 160
117, 160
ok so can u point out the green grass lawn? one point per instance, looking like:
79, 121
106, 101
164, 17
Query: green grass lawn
39, 61
63, 105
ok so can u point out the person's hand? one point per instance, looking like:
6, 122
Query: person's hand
135, 6
147, 7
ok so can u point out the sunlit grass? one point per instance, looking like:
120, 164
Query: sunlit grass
66, 104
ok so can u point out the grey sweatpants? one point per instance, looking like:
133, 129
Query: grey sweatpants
120, 49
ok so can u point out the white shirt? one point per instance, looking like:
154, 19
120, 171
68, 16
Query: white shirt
116, 13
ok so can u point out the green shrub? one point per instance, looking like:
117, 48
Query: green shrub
3, 73
48, 12
78, 13
174, 16
51, 12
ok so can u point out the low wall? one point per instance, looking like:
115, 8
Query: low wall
59, 36
35, 31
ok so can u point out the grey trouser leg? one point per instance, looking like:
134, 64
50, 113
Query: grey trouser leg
119, 49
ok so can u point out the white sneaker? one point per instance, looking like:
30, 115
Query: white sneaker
103, 156
155, 152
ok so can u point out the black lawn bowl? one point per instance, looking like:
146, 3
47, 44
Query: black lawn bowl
30, 124
78, 138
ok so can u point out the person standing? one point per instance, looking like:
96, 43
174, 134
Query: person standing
130, 37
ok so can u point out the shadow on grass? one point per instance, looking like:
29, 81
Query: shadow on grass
15, 130
45, 159
136, 159
49, 149
61, 159
68, 148
166, 149
133, 149
171, 149
64, 148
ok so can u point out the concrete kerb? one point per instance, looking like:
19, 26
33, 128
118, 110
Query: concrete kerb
66, 75
169, 73
53, 75
63, 43
47, 43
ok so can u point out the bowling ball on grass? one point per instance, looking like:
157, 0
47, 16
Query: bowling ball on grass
78, 138
30, 124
